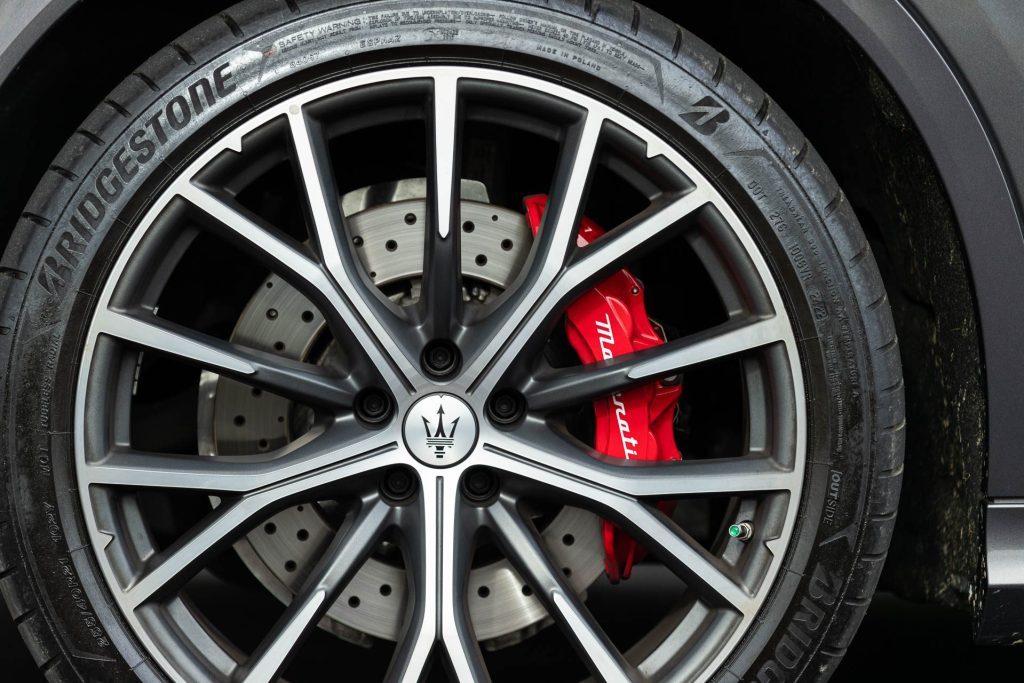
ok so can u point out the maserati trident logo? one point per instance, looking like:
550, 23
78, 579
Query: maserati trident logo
440, 441
440, 430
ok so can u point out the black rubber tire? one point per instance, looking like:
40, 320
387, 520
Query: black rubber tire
684, 88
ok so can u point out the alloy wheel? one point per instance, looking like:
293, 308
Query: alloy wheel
381, 361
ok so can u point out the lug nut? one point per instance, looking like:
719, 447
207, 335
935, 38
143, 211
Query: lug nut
373, 406
398, 485
440, 358
479, 486
506, 407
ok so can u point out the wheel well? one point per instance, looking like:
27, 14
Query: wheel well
832, 91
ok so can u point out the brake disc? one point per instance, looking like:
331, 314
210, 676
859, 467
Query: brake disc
386, 224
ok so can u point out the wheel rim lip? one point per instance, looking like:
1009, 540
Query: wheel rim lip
405, 399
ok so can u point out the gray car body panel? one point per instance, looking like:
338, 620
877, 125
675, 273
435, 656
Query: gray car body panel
958, 68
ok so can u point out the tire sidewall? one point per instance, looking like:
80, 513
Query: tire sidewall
794, 238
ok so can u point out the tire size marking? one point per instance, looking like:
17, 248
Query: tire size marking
89, 620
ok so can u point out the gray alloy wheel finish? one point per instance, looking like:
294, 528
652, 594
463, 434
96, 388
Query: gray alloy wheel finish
438, 525
287, 545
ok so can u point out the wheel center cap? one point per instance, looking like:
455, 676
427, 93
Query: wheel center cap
440, 430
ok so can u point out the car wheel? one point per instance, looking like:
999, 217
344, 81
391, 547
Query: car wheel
507, 339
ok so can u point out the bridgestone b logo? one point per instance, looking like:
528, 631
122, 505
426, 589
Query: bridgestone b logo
124, 165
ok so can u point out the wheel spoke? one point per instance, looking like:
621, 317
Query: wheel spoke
709, 576
524, 548
573, 386
343, 558
249, 233
170, 569
439, 547
380, 325
644, 231
595, 262
308, 384
167, 571
554, 241
543, 454
441, 296
701, 571
299, 270
310, 453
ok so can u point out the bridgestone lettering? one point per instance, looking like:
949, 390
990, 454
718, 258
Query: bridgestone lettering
125, 163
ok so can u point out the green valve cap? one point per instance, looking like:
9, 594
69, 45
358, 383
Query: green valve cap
742, 531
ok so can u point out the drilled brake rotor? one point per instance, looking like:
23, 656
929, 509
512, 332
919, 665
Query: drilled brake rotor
387, 224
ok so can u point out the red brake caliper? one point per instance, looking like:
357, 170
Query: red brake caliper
636, 424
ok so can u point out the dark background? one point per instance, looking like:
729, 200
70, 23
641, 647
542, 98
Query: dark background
898, 641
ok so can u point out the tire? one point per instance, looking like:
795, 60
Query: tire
54, 267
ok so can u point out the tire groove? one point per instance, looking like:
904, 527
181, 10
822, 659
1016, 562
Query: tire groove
892, 472
117, 107
719, 74
91, 137
24, 616
898, 427
184, 54
799, 158
232, 25
64, 173
37, 219
831, 207
879, 301
762, 111
149, 82
859, 256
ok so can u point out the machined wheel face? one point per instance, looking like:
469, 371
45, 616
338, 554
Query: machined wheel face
363, 478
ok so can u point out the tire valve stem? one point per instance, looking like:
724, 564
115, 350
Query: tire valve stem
742, 531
